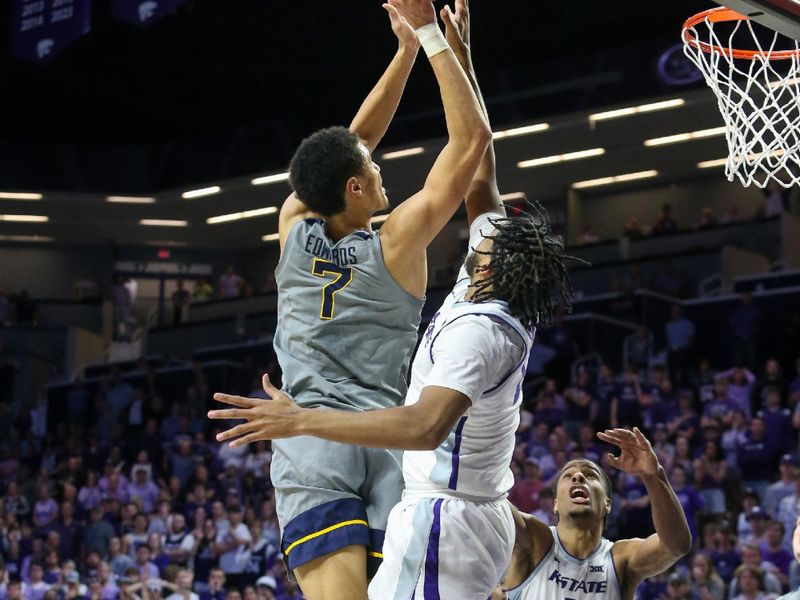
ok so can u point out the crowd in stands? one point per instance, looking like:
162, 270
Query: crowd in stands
129, 497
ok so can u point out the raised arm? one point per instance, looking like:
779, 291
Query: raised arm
483, 194
642, 558
421, 426
376, 112
412, 226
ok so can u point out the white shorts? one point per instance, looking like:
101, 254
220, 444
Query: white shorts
444, 549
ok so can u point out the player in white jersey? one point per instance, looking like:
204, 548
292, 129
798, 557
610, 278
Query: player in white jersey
452, 534
572, 560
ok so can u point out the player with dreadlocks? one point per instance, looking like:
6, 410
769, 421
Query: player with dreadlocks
452, 534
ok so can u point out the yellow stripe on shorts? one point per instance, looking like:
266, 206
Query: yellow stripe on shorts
311, 536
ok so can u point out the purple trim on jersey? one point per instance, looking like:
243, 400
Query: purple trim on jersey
431, 588
456, 449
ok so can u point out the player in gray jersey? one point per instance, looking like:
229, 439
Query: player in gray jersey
349, 307
573, 560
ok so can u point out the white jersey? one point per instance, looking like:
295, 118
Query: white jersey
480, 350
561, 576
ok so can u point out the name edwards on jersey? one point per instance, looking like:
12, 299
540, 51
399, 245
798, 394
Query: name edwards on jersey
321, 248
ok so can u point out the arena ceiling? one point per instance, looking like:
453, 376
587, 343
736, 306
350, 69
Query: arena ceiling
222, 92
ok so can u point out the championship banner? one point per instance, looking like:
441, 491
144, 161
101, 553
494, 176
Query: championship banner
143, 13
43, 28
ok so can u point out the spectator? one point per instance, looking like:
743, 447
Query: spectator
45, 511
784, 487
216, 583
744, 328
706, 582
233, 547
680, 339
230, 284
753, 454
180, 303
710, 470
692, 503
179, 544
771, 380
750, 584
546, 513
123, 310
774, 553
739, 388
665, 224
707, 219
183, 586
525, 493
267, 587
777, 421
35, 588
98, 533
625, 407
677, 587
203, 292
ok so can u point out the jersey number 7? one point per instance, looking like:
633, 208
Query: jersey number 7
342, 276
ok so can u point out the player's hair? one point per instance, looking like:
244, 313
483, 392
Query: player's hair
527, 267
321, 167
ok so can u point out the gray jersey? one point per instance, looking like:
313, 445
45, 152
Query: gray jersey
346, 329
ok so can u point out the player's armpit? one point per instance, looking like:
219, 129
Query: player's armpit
533, 540
440, 408
641, 558
292, 211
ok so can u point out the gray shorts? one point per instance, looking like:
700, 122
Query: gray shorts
330, 495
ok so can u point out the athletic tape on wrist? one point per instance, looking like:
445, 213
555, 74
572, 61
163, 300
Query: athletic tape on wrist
432, 39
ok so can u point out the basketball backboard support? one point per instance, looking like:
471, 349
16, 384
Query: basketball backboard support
780, 15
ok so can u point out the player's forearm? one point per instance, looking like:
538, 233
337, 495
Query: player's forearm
378, 109
483, 194
398, 428
466, 123
668, 517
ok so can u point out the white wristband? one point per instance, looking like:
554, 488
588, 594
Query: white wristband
432, 39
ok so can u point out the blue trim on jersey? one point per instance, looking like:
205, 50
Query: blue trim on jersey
313, 221
431, 586
455, 458
575, 559
364, 235
317, 519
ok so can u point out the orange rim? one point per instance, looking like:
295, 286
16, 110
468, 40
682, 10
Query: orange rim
721, 15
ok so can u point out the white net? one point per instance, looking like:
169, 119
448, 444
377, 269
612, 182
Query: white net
758, 93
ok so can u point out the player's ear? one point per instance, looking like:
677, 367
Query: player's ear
353, 186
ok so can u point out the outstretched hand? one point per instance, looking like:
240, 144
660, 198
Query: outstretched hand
406, 36
457, 30
418, 13
636, 457
266, 419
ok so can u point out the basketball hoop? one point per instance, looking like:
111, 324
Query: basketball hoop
758, 94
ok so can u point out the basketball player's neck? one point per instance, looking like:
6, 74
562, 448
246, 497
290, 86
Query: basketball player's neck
579, 539
343, 224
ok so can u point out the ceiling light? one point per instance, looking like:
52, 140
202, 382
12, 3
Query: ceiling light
685, 137
272, 237
635, 110
557, 158
708, 164
614, 179
26, 238
24, 218
513, 196
498, 135
209, 191
20, 196
270, 179
130, 199
403, 153
163, 223
247, 214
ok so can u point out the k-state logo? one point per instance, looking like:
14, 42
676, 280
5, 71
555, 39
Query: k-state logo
147, 10
595, 569
44, 47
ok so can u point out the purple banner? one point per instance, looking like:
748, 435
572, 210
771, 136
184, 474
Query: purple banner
143, 13
43, 28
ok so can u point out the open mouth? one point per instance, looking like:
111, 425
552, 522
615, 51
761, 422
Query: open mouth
579, 494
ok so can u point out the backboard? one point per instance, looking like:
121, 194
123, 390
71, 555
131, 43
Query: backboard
779, 15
